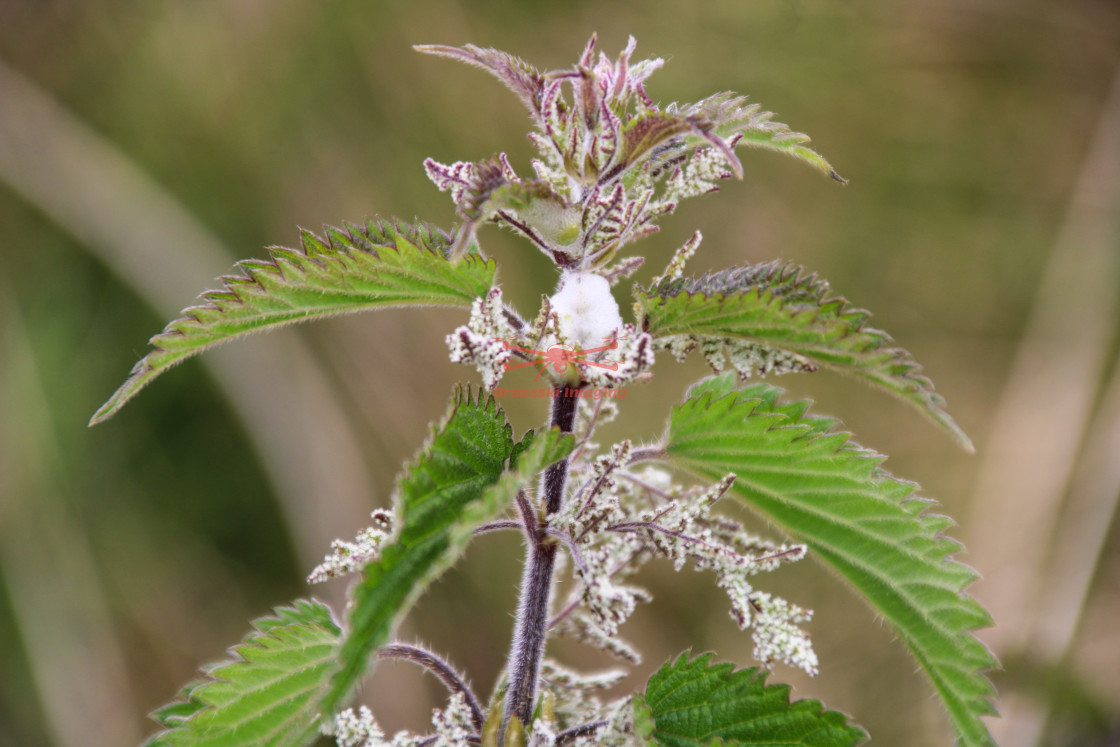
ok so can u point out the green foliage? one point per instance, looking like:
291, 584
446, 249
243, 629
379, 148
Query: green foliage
689, 703
733, 119
778, 306
612, 163
268, 696
379, 265
455, 483
824, 490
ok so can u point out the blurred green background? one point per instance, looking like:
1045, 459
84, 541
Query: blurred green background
146, 145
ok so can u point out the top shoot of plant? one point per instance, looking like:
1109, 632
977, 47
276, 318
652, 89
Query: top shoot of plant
610, 163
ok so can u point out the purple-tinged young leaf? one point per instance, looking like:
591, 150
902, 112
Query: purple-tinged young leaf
588, 51
519, 76
649, 130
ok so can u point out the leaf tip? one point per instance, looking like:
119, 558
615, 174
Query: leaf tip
112, 405
943, 420
966, 443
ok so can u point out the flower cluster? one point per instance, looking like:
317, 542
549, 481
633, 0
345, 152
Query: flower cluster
451, 727
745, 358
575, 694
348, 557
483, 341
616, 518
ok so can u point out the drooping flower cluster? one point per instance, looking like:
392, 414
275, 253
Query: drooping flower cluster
576, 694
484, 341
745, 358
349, 557
617, 517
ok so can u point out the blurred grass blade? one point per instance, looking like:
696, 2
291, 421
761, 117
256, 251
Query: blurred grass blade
778, 306
380, 265
1049, 474
59, 604
799, 472
161, 252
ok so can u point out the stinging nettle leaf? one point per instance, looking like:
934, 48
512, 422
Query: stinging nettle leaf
691, 702
519, 76
777, 305
813, 482
740, 123
456, 482
375, 266
269, 695
651, 129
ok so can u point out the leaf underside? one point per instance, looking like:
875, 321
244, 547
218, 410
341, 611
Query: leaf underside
268, 696
453, 485
778, 306
693, 703
358, 268
749, 125
828, 492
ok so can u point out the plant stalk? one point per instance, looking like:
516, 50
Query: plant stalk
536, 581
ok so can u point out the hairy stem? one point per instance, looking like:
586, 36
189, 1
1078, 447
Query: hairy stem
563, 417
536, 582
647, 454
451, 679
571, 735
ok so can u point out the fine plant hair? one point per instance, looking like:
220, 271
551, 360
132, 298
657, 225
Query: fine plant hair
610, 163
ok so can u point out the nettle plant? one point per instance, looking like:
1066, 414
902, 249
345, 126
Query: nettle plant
611, 162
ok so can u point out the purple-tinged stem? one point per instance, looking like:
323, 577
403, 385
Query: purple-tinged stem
536, 582
451, 679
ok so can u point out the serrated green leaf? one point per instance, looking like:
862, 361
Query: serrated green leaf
643, 719
528, 459
379, 265
269, 695
454, 484
179, 710
555, 447
734, 120
693, 703
778, 306
826, 491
